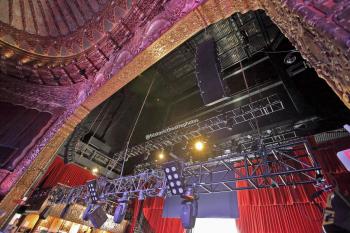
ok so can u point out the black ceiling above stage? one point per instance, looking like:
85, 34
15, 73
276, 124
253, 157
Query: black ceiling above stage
232, 36
250, 39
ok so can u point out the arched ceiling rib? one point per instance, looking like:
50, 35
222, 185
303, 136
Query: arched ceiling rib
62, 60
57, 28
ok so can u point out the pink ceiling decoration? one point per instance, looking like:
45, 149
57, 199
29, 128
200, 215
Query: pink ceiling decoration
61, 88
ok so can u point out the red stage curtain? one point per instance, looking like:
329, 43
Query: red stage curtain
68, 174
152, 210
288, 209
295, 218
333, 169
279, 210
136, 208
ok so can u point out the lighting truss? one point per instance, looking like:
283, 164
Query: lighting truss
151, 183
288, 164
259, 108
281, 134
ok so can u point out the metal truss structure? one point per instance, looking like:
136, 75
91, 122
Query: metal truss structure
150, 183
259, 108
284, 164
281, 134
287, 164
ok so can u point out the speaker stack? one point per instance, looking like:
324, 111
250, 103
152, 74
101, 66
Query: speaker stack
212, 87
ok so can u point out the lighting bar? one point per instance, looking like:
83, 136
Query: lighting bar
173, 174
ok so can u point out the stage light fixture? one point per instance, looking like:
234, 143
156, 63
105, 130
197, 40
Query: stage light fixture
290, 58
120, 210
199, 145
125, 197
173, 176
161, 155
189, 214
92, 187
189, 195
189, 208
162, 192
86, 212
319, 176
95, 170
141, 196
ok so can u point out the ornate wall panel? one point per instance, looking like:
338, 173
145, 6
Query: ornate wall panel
319, 29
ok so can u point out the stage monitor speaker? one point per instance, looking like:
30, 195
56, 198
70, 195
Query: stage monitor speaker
97, 216
212, 87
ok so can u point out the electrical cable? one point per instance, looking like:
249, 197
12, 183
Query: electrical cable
248, 90
103, 117
93, 123
114, 113
133, 129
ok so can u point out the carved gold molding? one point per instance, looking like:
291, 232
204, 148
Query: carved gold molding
324, 52
211, 11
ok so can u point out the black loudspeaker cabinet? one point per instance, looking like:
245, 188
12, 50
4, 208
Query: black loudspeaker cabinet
97, 216
212, 87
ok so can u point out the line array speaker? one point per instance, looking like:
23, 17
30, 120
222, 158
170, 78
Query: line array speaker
212, 87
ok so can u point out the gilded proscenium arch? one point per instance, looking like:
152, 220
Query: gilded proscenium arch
321, 41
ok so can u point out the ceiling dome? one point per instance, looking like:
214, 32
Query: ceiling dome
57, 27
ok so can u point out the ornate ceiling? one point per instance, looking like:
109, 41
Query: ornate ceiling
146, 32
60, 42
58, 28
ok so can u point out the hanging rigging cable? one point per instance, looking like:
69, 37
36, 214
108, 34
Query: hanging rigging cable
249, 95
132, 131
98, 126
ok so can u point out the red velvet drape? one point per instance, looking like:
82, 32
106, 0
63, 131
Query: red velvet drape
68, 174
279, 210
136, 205
333, 169
288, 209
